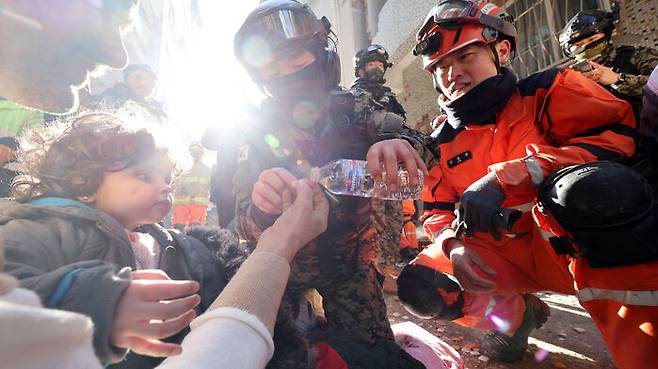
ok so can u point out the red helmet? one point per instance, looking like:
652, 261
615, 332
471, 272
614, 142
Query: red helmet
454, 24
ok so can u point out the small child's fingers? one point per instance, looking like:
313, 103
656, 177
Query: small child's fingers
171, 309
153, 348
158, 329
150, 274
152, 291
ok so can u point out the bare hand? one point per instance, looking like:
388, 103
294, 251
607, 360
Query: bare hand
272, 189
151, 308
302, 221
389, 154
602, 74
463, 259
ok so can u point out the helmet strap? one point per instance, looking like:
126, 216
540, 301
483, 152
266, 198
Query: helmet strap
492, 46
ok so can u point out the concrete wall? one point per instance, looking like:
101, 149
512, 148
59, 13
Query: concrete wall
639, 23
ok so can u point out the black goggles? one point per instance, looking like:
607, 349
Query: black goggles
281, 25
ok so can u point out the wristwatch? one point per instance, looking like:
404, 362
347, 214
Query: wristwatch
621, 78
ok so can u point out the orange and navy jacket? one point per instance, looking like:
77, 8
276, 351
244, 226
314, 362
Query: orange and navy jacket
553, 119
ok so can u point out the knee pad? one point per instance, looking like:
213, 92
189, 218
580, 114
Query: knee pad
607, 212
430, 294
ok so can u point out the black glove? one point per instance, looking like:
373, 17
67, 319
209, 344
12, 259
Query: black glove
480, 207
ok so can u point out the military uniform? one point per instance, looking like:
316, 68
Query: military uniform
340, 263
387, 214
635, 63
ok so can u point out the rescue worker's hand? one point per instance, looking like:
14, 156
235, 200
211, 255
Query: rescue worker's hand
463, 260
602, 74
479, 205
151, 308
388, 154
273, 188
302, 220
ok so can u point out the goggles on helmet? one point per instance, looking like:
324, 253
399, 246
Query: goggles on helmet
376, 49
279, 28
453, 14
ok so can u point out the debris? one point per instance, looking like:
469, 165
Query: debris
579, 330
483, 358
405, 317
396, 315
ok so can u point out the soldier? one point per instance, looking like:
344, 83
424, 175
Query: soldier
308, 121
622, 70
370, 64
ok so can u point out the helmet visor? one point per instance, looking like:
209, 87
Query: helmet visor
281, 25
453, 10
375, 49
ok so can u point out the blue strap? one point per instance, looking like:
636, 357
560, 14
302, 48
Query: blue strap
60, 202
62, 289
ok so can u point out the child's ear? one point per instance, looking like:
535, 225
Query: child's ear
87, 199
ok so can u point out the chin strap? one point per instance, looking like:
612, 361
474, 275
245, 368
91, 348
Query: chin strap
492, 46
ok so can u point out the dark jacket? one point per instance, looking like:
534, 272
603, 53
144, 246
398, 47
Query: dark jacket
380, 94
75, 258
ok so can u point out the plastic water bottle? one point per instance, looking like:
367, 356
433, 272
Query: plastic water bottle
349, 177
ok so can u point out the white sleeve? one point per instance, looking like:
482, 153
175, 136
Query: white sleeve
224, 338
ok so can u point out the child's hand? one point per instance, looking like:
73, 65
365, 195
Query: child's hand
151, 308
302, 220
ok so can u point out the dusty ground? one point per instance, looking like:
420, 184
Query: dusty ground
569, 338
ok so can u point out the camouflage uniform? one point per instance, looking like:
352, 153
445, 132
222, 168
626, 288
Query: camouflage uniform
340, 263
636, 63
387, 214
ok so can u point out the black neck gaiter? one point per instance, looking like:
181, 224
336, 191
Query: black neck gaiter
481, 104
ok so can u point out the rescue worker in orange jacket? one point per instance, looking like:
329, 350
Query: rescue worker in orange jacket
501, 139
409, 247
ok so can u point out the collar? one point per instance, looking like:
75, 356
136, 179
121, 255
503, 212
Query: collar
60, 202
374, 88
481, 104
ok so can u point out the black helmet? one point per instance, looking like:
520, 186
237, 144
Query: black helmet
583, 25
278, 27
607, 209
371, 53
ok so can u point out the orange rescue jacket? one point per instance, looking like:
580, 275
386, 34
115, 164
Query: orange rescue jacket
553, 119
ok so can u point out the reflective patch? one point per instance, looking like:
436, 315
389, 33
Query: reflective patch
640, 298
243, 153
488, 8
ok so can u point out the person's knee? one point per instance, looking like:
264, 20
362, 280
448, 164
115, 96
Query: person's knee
429, 294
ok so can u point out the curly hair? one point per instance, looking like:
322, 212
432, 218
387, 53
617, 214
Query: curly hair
68, 159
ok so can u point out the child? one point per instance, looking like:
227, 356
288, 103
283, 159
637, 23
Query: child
86, 215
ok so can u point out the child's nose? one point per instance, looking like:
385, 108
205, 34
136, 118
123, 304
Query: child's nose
166, 188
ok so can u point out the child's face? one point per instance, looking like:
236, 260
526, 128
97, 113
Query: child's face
139, 194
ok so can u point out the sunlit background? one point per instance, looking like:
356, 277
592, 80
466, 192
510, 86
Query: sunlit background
204, 84
189, 44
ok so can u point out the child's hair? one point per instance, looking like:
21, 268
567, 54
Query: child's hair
68, 158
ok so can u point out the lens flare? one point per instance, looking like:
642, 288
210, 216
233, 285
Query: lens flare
272, 140
541, 355
501, 324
